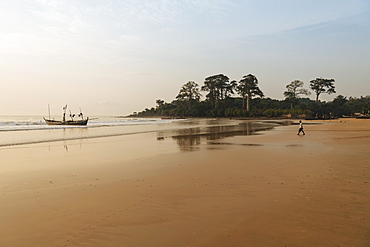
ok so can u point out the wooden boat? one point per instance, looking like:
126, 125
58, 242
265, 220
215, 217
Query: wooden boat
363, 117
67, 122
165, 118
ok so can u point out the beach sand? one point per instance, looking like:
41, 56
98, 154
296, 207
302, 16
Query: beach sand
271, 189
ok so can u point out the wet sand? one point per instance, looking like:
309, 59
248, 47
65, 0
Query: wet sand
271, 189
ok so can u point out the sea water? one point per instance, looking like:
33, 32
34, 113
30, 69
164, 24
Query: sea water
21, 130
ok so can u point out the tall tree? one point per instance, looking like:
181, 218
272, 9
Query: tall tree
248, 88
189, 93
159, 102
321, 85
219, 88
294, 89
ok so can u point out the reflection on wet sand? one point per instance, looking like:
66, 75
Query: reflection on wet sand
189, 139
241, 144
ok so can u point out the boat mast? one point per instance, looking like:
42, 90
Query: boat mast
49, 110
64, 114
81, 114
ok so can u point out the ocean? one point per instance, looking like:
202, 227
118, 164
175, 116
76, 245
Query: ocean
22, 130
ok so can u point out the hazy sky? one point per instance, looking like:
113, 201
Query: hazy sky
115, 57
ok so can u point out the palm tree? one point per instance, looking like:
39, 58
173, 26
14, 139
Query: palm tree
248, 88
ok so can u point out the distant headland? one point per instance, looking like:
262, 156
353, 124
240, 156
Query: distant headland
243, 98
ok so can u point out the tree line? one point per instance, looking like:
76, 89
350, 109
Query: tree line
244, 98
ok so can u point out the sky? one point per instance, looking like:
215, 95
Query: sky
116, 57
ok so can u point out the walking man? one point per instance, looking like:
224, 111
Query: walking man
300, 128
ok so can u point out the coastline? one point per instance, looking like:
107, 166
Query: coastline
270, 189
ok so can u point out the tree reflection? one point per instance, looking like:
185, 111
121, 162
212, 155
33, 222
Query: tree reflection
188, 139
193, 133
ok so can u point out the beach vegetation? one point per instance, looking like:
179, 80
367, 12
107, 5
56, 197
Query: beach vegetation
189, 94
248, 88
321, 85
294, 89
244, 99
218, 88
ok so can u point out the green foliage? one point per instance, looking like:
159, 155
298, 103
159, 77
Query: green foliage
294, 89
219, 101
321, 85
248, 88
189, 94
219, 88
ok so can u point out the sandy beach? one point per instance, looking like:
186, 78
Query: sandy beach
270, 189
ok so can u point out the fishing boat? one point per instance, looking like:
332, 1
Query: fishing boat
82, 121
68, 122
362, 116
165, 118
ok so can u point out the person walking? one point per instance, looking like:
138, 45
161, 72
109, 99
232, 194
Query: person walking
300, 128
